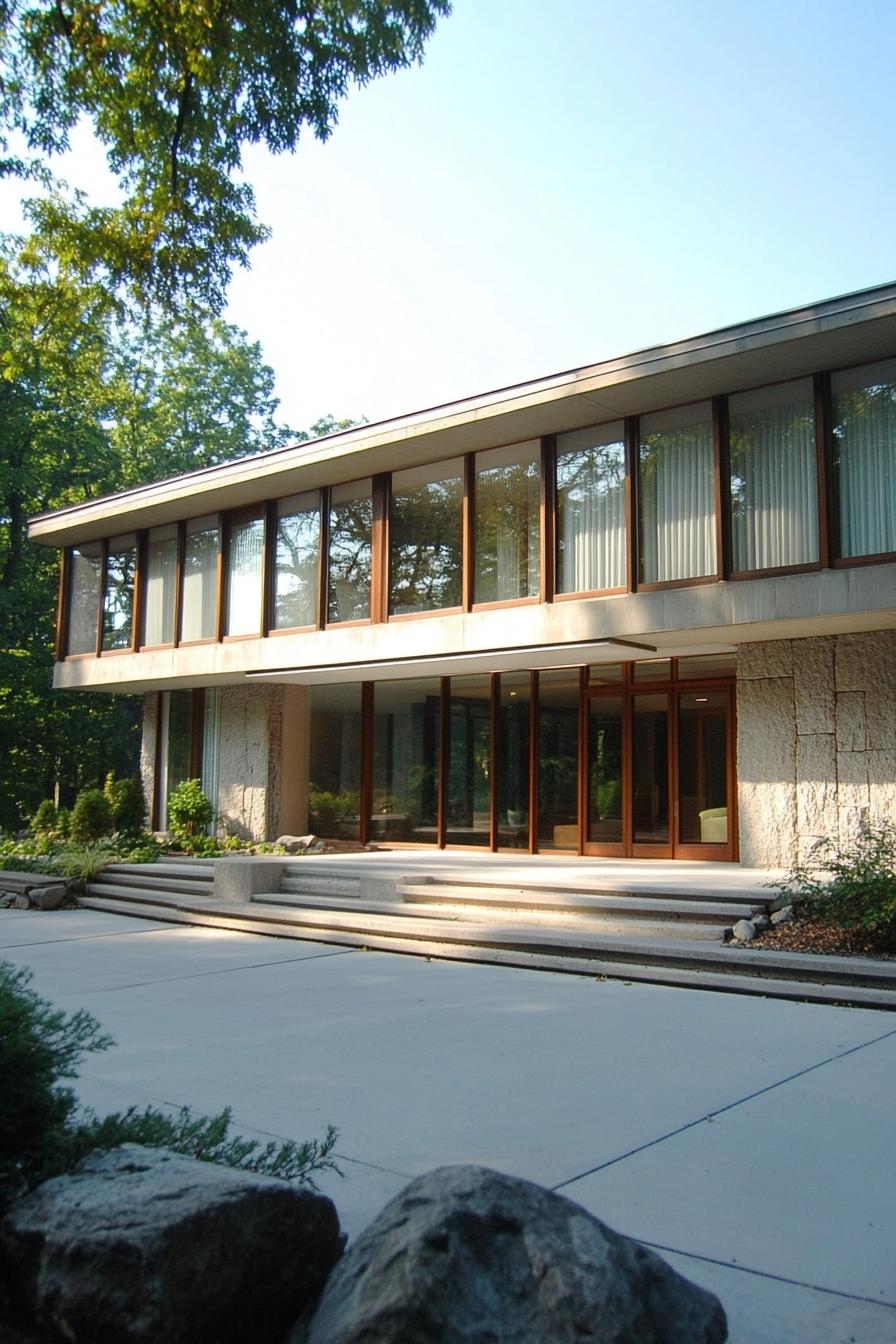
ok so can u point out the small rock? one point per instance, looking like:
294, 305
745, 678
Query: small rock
760, 922
22, 901
298, 844
465, 1253
744, 931
49, 898
783, 916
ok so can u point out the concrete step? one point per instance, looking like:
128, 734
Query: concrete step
781, 975
194, 869
320, 884
122, 877
135, 894
514, 893
597, 904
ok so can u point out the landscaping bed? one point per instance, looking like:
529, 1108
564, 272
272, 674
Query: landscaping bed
807, 932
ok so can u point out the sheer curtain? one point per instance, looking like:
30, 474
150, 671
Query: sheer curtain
865, 458
508, 525
244, 577
86, 569
200, 579
677, 495
774, 495
591, 509
161, 570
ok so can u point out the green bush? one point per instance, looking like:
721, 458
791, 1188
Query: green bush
84, 861
127, 804
853, 887
63, 823
91, 817
45, 819
189, 811
43, 1132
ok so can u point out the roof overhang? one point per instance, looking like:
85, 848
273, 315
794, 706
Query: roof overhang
854, 329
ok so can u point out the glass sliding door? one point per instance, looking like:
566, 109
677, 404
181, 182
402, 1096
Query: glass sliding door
335, 761
469, 765
703, 768
406, 733
650, 770
512, 763
606, 733
559, 693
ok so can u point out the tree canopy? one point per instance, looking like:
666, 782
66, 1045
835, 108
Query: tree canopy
175, 90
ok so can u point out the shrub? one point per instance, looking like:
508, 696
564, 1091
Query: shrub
189, 811
127, 804
44, 821
91, 817
84, 861
63, 823
854, 887
43, 1132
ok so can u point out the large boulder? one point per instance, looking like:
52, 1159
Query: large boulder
466, 1254
140, 1245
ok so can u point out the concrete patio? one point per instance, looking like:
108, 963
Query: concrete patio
749, 1139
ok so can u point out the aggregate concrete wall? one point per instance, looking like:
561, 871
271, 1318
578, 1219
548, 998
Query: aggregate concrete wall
816, 733
249, 760
148, 745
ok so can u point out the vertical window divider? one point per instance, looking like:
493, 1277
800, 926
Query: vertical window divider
631, 503
63, 602
495, 688
533, 762
221, 586
583, 759
365, 793
104, 583
379, 575
323, 589
268, 567
179, 565
828, 512
138, 609
721, 459
468, 541
548, 486
444, 704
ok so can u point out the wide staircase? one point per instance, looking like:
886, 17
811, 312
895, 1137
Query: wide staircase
653, 936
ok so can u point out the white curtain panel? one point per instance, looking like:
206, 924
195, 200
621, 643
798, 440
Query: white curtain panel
865, 451
677, 495
591, 507
161, 569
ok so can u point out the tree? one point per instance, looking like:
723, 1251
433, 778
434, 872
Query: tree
175, 91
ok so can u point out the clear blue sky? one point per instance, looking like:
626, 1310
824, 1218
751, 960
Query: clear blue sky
562, 183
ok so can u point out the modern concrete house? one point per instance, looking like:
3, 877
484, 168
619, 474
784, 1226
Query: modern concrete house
643, 608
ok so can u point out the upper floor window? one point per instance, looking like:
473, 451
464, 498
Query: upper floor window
202, 545
591, 509
676, 495
774, 490
245, 566
86, 568
350, 551
508, 523
161, 583
297, 561
425, 540
864, 404
118, 606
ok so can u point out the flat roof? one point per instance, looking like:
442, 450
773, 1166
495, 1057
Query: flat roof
852, 329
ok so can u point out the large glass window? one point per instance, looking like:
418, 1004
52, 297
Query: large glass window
406, 720
118, 608
469, 761
161, 573
865, 458
175, 746
591, 509
676, 495
508, 523
650, 769
200, 586
85, 567
514, 712
558, 759
244, 575
297, 561
335, 761
703, 767
425, 557
774, 495
605, 746
351, 532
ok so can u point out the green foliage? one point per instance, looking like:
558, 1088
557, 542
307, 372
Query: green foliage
43, 1132
854, 887
91, 817
189, 811
175, 92
85, 861
328, 806
45, 818
39, 1046
126, 803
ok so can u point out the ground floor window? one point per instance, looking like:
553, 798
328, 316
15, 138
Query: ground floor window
624, 759
187, 746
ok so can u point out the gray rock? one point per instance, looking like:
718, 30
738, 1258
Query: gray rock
783, 916
22, 901
297, 844
466, 1254
140, 1245
744, 931
49, 898
760, 922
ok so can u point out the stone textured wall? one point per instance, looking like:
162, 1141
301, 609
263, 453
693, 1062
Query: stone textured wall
249, 760
816, 734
